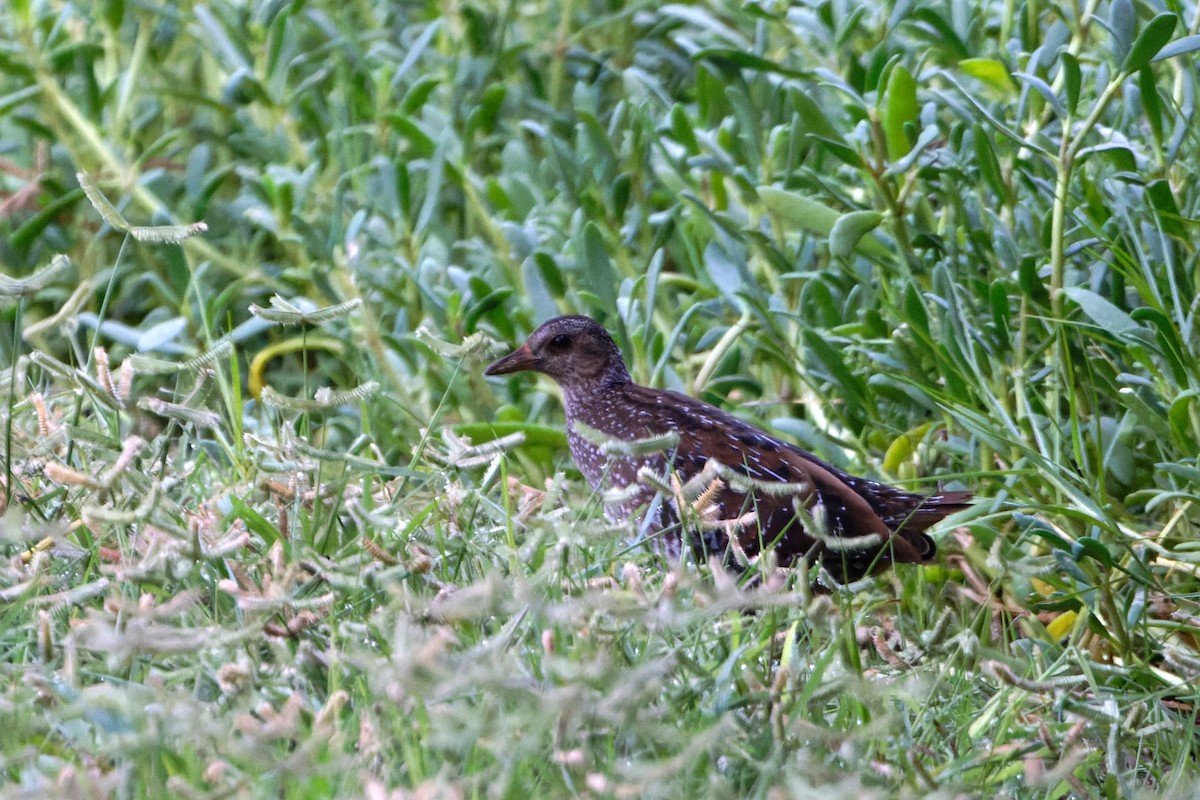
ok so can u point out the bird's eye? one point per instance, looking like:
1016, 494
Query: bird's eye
561, 342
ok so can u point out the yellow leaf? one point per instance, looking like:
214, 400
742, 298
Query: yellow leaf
1061, 625
902, 448
259, 364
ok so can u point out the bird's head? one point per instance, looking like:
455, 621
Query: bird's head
574, 350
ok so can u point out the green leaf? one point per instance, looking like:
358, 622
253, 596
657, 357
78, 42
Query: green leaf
484, 306
161, 334
1072, 80
900, 110
435, 177
1037, 527
1000, 309
941, 30
1162, 199
1179, 47
916, 314
849, 229
1106, 315
1118, 154
991, 72
598, 274
839, 150
255, 522
1089, 547
681, 129
807, 214
550, 272
14, 99
1179, 414
114, 13
1170, 345
537, 288
1042, 88
1122, 21
816, 127
728, 274
483, 116
417, 94
419, 143
852, 389
989, 164
992, 119
813, 217
1151, 103
535, 435
1149, 42
745, 60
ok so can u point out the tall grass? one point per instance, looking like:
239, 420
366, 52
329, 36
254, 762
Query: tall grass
269, 531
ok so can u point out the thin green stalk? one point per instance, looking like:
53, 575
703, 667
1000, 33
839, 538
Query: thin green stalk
718, 352
130, 77
559, 61
1072, 143
12, 401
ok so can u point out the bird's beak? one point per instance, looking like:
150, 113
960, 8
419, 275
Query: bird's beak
517, 361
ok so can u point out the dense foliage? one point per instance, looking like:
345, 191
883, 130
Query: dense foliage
269, 532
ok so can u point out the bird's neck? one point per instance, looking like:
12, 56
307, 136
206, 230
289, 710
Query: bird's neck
583, 399
580, 396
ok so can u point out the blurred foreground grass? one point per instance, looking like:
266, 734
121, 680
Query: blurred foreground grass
268, 532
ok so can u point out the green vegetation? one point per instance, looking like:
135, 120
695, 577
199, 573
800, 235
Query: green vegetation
268, 532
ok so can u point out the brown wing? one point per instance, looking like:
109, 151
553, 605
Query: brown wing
752, 465
900, 510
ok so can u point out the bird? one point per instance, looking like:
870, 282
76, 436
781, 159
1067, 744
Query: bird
700, 475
